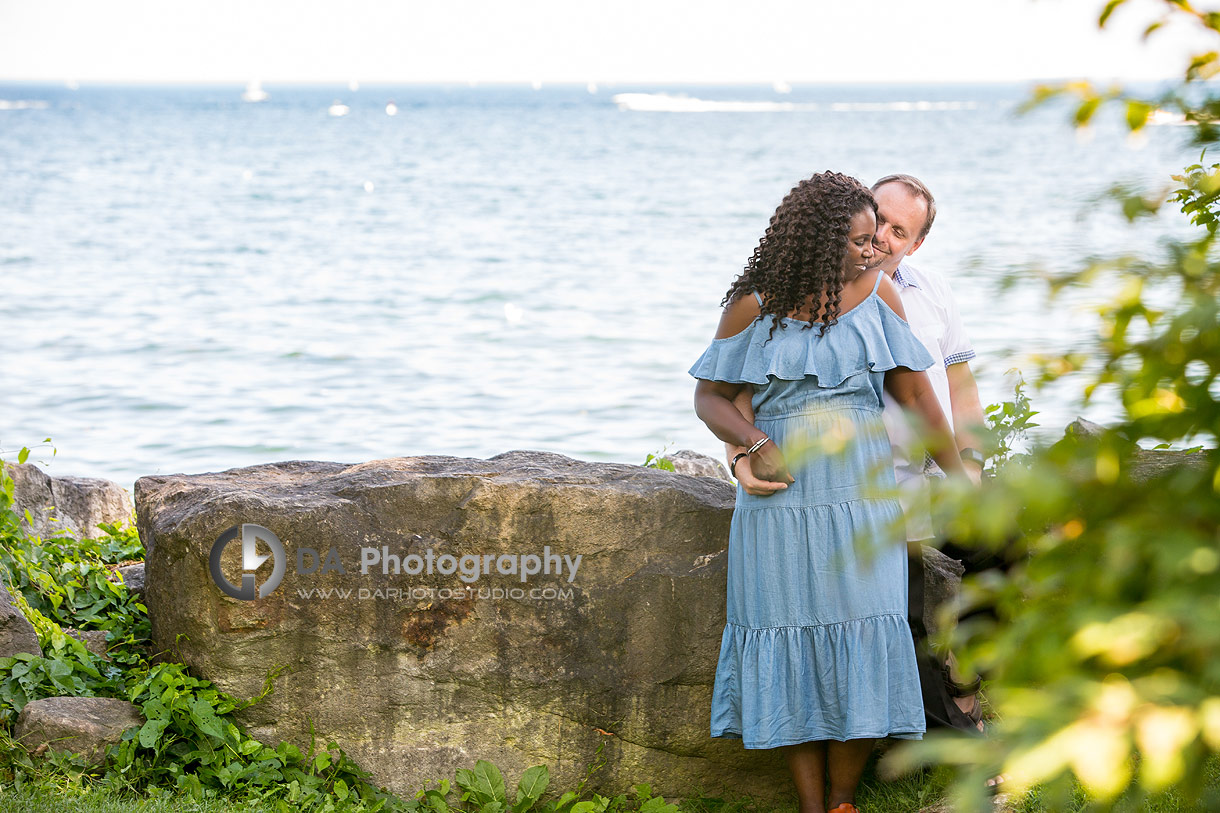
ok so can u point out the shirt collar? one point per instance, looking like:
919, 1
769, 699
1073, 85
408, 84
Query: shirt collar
904, 281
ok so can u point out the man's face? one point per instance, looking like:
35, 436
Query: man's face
900, 217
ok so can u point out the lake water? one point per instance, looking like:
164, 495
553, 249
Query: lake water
193, 282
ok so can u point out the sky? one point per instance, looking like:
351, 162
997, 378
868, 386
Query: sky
583, 41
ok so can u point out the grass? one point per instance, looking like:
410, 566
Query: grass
910, 794
34, 799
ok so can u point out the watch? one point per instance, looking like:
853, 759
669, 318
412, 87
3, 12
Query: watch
973, 455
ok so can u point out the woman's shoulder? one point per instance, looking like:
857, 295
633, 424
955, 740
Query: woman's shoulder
738, 315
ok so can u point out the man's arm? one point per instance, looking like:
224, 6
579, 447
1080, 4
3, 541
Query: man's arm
967, 413
964, 402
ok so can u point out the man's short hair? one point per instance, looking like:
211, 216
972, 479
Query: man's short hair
917, 187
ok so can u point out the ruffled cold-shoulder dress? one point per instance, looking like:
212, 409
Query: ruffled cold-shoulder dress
816, 644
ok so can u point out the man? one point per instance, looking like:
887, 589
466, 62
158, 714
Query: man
905, 212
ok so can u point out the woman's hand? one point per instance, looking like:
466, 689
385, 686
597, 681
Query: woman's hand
768, 465
753, 485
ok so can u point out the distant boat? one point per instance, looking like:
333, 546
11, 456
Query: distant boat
665, 103
591, 87
353, 86
536, 84
338, 109
391, 109
780, 86
254, 92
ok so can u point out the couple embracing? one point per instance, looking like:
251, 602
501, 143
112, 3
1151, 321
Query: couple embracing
826, 326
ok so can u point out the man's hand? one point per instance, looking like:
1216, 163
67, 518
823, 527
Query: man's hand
755, 486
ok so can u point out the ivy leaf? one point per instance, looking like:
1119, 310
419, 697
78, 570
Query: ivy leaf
530, 788
205, 718
150, 733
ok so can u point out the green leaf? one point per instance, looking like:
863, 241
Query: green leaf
23, 455
530, 788
1107, 11
1137, 114
341, 789
484, 782
150, 733
288, 751
206, 719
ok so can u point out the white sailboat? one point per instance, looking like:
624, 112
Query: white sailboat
254, 92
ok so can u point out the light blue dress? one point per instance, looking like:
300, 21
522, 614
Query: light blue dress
816, 644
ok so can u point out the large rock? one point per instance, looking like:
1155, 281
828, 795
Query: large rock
80, 725
417, 685
133, 578
16, 632
94, 640
72, 504
700, 465
942, 583
1146, 464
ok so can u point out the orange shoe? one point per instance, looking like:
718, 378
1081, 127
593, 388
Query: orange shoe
846, 807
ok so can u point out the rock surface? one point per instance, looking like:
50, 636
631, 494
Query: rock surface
94, 640
133, 578
698, 465
942, 582
72, 504
81, 725
1146, 464
417, 686
16, 632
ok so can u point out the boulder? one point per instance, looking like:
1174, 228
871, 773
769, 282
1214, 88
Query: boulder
1146, 464
942, 582
80, 725
94, 640
72, 504
133, 577
699, 465
418, 675
16, 632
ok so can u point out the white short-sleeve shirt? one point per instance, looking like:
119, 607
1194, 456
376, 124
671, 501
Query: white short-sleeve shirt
934, 319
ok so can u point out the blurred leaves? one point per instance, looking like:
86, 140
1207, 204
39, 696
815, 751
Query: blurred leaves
1101, 657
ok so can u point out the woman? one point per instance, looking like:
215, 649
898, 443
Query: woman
816, 655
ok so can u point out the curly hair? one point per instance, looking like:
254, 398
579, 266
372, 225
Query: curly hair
802, 251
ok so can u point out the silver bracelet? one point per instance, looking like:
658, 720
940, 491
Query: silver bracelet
757, 445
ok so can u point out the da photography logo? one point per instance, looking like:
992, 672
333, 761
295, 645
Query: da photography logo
250, 561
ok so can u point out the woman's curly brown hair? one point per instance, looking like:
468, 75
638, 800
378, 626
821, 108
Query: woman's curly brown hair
802, 251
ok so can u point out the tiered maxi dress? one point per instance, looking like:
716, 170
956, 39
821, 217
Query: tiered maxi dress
816, 644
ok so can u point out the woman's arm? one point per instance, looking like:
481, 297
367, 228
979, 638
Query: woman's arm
745, 405
714, 401
744, 471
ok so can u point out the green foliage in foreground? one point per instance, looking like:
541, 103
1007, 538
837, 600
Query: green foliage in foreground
1103, 671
